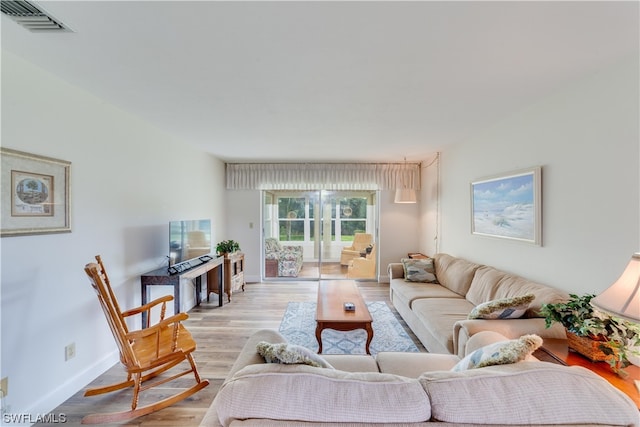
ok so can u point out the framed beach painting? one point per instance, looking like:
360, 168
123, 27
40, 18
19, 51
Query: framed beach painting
35, 194
508, 206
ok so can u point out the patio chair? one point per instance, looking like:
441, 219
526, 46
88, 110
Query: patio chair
360, 243
363, 267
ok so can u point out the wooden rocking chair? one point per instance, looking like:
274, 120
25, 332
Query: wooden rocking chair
145, 353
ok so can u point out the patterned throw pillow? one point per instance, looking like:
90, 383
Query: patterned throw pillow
290, 354
505, 308
419, 270
500, 353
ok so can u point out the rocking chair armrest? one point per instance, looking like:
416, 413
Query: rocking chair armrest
177, 318
148, 306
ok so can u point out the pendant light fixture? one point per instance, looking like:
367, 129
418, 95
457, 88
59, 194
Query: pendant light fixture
405, 194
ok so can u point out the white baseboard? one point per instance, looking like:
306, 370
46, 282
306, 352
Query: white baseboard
48, 403
252, 279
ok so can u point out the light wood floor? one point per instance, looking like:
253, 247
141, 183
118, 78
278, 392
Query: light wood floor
220, 333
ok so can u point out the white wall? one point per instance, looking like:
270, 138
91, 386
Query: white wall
128, 181
586, 138
398, 229
430, 211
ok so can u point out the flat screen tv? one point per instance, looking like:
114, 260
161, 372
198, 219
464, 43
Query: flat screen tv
189, 240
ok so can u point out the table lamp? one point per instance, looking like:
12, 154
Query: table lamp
622, 299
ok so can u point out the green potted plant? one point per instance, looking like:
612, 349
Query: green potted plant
608, 338
227, 246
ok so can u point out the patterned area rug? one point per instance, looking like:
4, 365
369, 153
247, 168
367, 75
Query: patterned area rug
299, 327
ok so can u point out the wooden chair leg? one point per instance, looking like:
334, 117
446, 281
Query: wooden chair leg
136, 390
194, 369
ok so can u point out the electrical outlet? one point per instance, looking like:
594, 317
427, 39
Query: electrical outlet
4, 387
70, 351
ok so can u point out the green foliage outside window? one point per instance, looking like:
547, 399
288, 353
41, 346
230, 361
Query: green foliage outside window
352, 212
292, 230
291, 207
353, 208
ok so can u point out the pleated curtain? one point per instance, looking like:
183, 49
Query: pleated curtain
323, 176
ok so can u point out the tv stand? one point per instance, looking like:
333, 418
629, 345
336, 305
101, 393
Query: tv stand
163, 277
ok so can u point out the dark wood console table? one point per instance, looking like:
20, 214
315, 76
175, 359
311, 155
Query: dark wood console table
162, 277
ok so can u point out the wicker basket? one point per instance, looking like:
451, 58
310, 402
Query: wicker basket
588, 347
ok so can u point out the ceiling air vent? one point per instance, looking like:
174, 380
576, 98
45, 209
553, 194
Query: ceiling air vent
30, 17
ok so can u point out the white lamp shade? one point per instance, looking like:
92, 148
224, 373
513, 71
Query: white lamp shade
405, 195
622, 299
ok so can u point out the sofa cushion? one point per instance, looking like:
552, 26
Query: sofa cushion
527, 393
412, 365
438, 315
352, 362
411, 291
305, 393
483, 285
419, 270
454, 273
491, 284
500, 353
290, 354
504, 308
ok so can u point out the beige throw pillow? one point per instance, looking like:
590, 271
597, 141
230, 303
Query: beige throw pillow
290, 354
504, 308
419, 270
500, 353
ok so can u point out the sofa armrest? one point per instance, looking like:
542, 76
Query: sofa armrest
249, 355
463, 330
396, 270
481, 339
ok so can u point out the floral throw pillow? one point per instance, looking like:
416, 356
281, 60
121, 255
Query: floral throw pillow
505, 308
500, 353
290, 354
419, 270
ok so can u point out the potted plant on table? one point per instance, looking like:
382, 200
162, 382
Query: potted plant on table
594, 334
226, 247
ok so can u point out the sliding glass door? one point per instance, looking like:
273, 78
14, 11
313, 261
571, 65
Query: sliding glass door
311, 235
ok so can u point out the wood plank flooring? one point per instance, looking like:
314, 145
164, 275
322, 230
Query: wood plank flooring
220, 333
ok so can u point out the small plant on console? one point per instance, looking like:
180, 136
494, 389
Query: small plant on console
227, 246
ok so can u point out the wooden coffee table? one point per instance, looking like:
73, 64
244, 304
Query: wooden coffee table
331, 314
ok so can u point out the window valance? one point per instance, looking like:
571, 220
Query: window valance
323, 176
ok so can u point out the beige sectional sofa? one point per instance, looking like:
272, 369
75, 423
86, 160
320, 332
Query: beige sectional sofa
413, 389
437, 312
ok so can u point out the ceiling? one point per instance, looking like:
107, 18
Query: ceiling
326, 81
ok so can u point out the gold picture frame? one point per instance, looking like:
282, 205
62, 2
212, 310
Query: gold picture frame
34, 194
